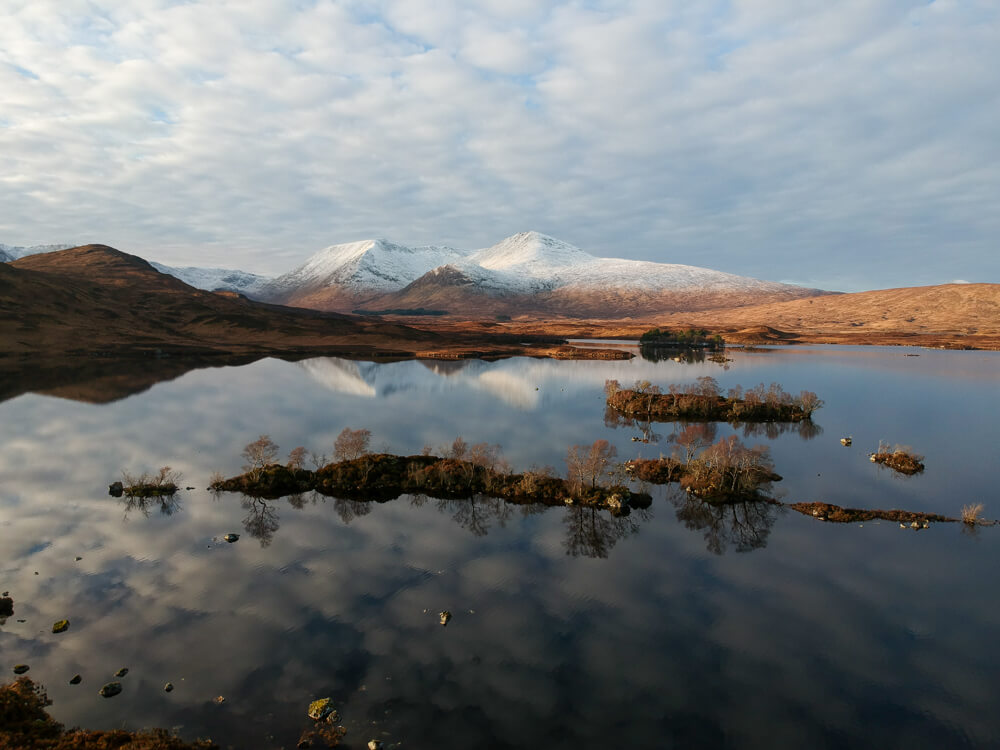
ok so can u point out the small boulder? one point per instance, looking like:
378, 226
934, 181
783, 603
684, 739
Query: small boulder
168, 688
6, 606
115, 489
111, 689
121, 672
375, 744
21, 668
60, 626
444, 617
232, 538
323, 708
76, 679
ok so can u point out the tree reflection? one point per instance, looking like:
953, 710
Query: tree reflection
349, 509
592, 533
745, 525
806, 429
614, 420
261, 521
166, 504
477, 513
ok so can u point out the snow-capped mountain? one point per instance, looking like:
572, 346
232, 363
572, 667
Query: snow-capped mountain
214, 279
209, 279
359, 269
527, 272
13, 252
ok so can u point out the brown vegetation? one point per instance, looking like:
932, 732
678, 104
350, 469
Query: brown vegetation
900, 458
465, 472
702, 400
24, 723
164, 482
836, 514
945, 316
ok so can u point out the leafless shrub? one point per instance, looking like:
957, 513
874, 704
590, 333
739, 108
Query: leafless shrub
970, 513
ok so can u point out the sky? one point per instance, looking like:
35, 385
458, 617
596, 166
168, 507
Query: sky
842, 145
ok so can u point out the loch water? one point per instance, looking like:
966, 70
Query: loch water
684, 625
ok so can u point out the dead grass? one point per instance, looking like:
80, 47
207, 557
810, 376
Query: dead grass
971, 513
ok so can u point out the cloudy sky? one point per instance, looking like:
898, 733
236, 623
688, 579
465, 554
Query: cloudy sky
847, 145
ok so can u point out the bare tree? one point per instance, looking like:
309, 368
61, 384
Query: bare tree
296, 458
809, 402
589, 463
458, 448
693, 438
351, 444
258, 455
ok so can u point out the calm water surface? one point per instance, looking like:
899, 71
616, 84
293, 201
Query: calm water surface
682, 626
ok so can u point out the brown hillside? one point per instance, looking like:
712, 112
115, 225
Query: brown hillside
950, 315
96, 298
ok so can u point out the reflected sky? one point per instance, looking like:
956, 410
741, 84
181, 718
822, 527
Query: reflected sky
751, 627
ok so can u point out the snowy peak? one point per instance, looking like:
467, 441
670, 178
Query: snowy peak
531, 253
214, 279
13, 252
376, 265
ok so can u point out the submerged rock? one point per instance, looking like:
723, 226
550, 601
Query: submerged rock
115, 489
21, 668
60, 626
76, 679
121, 672
111, 689
323, 708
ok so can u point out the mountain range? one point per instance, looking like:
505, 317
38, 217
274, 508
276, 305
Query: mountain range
528, 273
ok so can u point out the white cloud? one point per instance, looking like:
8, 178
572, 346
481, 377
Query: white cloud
768, 138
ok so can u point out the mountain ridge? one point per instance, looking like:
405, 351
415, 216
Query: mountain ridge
528, 271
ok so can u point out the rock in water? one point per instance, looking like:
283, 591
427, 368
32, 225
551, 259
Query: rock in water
76, 680
6, 606
323, 709
232, 538
168, 688
375, 745
111, 689
21, 668
121, 672
115, 489
60, 626
444, 617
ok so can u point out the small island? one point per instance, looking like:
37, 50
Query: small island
702, 400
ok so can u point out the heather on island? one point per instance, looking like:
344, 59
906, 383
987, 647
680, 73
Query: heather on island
703, 400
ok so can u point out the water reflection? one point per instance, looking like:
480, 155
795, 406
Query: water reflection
167, 505
744, 526
590, 533
825, 637
261, 521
